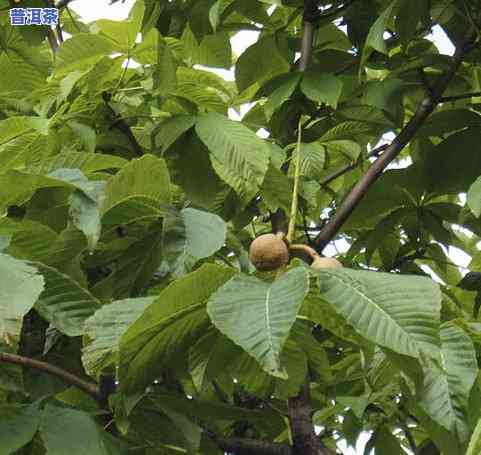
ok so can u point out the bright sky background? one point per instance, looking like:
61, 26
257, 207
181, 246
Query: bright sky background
100, 9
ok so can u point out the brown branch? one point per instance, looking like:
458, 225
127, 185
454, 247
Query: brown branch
426, 107
349, 167
48, 368
304, 438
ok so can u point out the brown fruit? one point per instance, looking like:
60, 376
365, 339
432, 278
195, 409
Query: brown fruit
268, 252
326, 263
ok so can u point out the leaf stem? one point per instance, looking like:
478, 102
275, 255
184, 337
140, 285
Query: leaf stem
295, 192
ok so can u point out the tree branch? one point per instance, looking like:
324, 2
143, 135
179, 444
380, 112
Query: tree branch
423, 111
349, 167
464, 96
304, 438
69, 378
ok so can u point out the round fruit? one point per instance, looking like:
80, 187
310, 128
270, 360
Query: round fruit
326, 263
268, 252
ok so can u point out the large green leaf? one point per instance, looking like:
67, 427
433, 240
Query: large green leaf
282, 93
253, 66
64, 302
65, 431
24, 68
106, 327
191, 235
81, 50
445, 172
375, 38
18, 425
141, 189
20, 286
167, 326
397, 312
322, 87
14, 127
238, 156
445, 393
258, 316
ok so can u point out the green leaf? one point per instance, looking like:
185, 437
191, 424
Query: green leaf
281, 94
253, 67
474, 197
65, 431
169, 325
14, 127
398, 312
386, 442
20, 286
258, 316
475, 443
445, 393
64, 303
191, 235
85, 162
106, 327
190, 431
24, 67
322, 87
238, 156
312, 159
81, 50
85, 212
445, 172
375, 38
86, 135
141, 189
18, 425
170, 130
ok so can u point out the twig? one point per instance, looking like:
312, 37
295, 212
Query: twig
376, 152
445, 99
69, 378
423, 111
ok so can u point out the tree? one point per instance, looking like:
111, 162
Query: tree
131, 319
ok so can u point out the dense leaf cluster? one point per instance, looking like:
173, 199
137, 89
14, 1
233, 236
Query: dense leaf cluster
129, 198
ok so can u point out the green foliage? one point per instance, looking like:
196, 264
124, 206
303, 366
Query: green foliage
129, 197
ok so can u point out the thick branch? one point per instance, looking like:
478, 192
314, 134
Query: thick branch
426, 107
300, 418
69, 378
